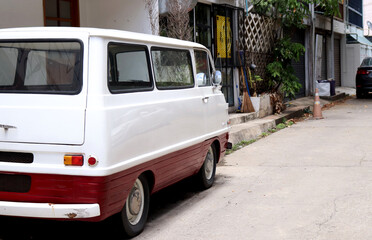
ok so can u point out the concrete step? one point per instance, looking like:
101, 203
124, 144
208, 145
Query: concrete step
250, 130
238, 118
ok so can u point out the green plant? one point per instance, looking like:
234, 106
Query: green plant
272, 130
240, 145
281, 126
330, 7
253, 80
264, 134
289, 14
289, 123
281, 72
256, 79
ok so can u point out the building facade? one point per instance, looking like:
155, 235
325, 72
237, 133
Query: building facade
214, 22
334, 46
357, 45
115, 14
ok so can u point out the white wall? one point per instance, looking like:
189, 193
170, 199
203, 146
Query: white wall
338, 27
126, 15
367, 16
353, 61
21, 13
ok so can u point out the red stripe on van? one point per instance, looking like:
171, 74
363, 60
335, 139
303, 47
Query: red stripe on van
111, 191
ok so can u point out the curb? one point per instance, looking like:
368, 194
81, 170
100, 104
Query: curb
248, 127
253, 129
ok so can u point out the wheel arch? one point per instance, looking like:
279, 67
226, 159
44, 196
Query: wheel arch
150, 177
217, 146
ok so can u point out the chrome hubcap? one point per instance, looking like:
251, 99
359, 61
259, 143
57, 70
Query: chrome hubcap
135, 203
209, 164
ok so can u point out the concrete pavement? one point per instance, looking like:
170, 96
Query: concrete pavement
310, 181
247, 126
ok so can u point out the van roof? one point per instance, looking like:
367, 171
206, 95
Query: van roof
107, 33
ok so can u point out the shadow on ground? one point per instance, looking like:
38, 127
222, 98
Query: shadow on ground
35, 229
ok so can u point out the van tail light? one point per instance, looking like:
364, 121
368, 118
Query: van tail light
363, 72
73, 160
92, 161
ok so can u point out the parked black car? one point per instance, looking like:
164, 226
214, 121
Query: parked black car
363, 80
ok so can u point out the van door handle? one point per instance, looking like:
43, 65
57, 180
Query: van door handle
205, 99
6, 127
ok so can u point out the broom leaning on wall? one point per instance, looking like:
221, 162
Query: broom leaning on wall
247, 106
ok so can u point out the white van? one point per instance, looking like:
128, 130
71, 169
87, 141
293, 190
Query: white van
93, 121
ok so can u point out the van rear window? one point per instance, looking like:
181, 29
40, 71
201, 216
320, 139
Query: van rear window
41, 67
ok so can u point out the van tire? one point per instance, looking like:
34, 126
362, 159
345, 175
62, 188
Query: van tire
136, 208
208, 170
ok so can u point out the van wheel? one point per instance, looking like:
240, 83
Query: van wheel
136, 208
208, 170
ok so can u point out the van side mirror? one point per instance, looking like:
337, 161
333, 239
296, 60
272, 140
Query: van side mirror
217, 78
201, 79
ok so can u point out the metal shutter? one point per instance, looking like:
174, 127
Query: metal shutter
324, 60
299, 67
337, 53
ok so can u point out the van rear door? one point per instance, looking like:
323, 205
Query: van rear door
41, 91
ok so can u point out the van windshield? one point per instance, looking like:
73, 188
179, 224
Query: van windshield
40, 67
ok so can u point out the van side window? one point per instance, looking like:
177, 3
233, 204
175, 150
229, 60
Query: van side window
172, 68
128, 68
203, 75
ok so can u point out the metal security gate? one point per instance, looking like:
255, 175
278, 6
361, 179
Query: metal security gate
324, 59
299, 67
224, 54
214, 28
337, 54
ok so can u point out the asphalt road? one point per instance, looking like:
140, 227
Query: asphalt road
310, 181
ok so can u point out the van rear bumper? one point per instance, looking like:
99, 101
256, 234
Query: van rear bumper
49, 210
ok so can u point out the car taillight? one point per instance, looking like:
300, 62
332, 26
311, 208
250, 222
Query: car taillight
363, 72
73, 160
